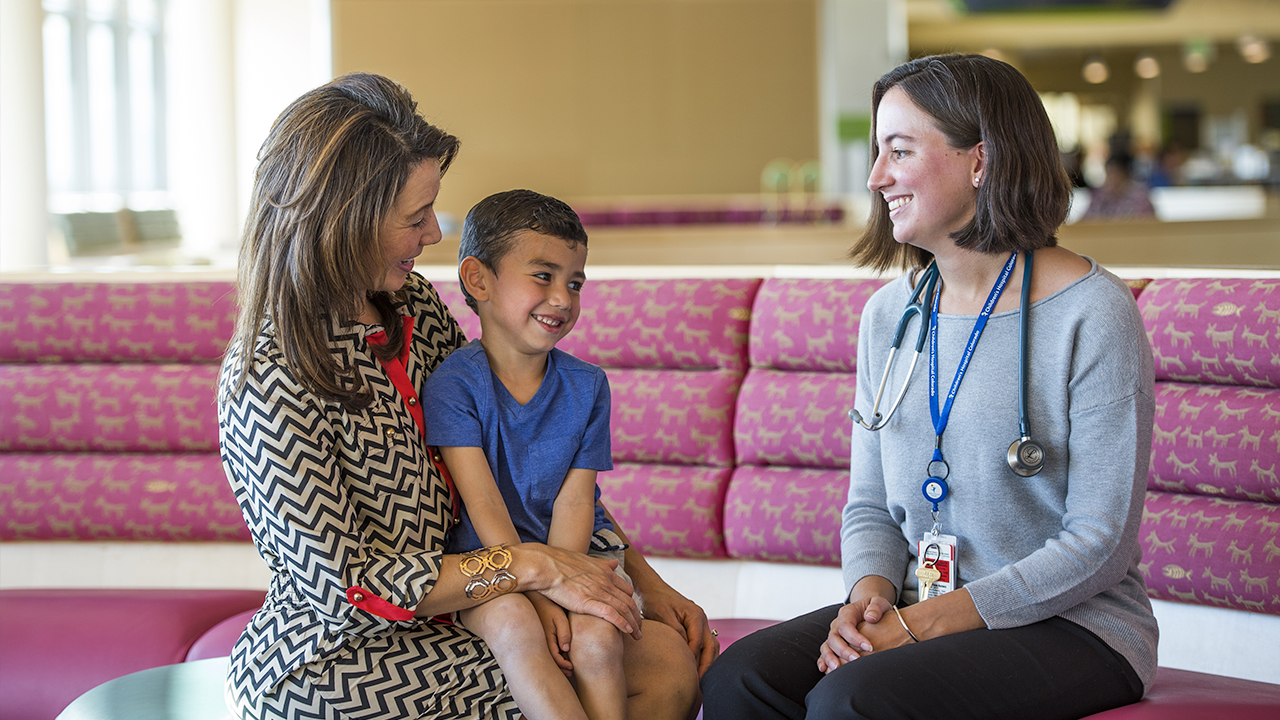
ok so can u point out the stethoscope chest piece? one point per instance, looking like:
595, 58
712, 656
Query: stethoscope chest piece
1026, 456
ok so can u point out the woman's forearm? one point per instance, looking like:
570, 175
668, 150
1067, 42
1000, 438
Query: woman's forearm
946, 614
450, 591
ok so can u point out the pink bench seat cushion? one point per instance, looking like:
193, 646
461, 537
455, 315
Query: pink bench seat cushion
1187, 695
220, 638
74, 640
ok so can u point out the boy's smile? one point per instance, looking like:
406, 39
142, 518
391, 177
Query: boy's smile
533, 299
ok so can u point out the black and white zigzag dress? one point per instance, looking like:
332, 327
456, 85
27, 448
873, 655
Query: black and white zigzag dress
346, 507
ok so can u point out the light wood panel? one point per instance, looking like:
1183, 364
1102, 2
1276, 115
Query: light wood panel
583, 98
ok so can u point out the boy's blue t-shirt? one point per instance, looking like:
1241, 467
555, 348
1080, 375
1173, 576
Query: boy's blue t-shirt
530, 447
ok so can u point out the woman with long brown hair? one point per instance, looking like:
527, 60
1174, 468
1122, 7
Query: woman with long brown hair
321, 437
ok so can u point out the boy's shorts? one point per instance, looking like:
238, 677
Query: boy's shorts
606, 544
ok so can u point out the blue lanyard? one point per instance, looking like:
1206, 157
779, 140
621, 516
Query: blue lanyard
938, 493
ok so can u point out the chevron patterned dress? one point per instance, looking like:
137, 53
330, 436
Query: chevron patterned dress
346, 508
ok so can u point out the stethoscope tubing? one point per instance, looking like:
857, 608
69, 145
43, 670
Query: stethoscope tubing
922, 306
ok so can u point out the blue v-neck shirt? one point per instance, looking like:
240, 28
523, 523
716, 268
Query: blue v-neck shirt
530, 447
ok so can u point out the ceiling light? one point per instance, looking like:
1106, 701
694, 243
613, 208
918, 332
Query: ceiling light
1146, 67
1197, 54
1254, 49
1095, 71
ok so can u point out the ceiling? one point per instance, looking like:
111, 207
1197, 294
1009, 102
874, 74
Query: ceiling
937, 26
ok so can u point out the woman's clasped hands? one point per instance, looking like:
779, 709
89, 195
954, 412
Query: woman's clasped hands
865, 625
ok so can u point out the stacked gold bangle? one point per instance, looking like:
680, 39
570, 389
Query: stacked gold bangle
494, 559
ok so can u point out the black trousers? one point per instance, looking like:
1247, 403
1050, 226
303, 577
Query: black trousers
1052, 669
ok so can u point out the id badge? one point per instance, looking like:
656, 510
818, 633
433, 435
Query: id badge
938, 552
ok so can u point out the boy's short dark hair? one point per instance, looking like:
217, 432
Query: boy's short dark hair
492, 224
1025, 192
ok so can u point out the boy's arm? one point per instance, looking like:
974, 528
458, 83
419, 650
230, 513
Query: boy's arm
480, 495
573, 517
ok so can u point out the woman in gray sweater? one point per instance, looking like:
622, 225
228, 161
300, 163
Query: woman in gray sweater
985, 579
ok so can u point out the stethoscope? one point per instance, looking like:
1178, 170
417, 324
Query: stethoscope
1025, 456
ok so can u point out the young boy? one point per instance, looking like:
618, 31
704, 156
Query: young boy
524, 428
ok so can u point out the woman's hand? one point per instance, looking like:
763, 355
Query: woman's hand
847, 641
664, 604
555, 623
579, 583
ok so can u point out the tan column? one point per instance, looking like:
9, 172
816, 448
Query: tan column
24, 242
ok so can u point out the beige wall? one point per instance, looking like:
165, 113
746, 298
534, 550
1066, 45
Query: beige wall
584, 98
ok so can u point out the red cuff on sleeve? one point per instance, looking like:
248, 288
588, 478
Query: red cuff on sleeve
371, 603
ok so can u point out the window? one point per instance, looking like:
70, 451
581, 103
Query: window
104, 105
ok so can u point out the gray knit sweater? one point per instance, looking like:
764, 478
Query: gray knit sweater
1064, 542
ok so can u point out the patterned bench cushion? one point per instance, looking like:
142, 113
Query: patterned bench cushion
1221, 331
806, 324
1216, 440
97, 407
794, 418
1211, 551
785, 514
668, 509
116, 322
673, 416
91, 496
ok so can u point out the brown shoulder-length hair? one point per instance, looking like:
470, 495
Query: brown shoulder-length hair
328, 175
1025, 192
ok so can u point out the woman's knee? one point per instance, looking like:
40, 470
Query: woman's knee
661, 667
865, 688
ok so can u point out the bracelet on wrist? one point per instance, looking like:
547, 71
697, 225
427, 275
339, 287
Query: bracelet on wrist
475, 564
904, 624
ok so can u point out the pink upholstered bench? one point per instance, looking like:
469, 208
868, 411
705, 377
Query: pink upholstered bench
57, 644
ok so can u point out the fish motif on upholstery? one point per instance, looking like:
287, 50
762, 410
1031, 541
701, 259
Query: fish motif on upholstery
116, 322
1222, 331
1211, 551
182, 498
794, 418
807, 324
785, 514
668, 510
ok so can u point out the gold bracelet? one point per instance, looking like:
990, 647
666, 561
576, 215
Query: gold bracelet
475, 563
904, 624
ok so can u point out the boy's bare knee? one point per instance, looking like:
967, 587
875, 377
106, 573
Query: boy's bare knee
594, 640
